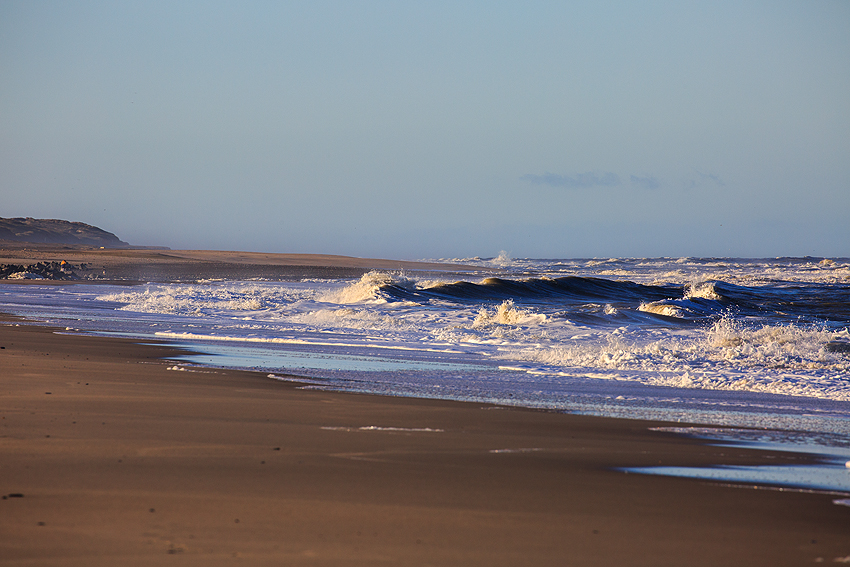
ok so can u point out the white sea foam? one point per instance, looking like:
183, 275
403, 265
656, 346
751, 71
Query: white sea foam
662, 308
503, 260
517, 450
780, 359
702, 289
534, 345
367, 288
24, 276
384, 428
196, 299
507, 314
726, 355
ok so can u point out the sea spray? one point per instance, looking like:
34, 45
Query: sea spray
368, 288
507, 314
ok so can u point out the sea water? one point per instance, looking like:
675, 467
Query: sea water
734, 342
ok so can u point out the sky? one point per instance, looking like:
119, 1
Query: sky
440, 129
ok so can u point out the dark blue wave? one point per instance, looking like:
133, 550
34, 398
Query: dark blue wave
542, 290
790, 301
783, 302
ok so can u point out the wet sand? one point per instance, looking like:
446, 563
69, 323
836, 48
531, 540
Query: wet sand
107, 457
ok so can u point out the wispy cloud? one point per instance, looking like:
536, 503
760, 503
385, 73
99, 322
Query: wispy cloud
647, 182
704, 179
711, 177
576, 181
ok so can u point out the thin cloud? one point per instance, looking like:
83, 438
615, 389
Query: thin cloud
647, 182
577, 181
711, 177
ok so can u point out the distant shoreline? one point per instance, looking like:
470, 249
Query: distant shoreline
157, 264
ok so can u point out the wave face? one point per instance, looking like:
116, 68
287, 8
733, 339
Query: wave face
706, 299
716, 333
534, 290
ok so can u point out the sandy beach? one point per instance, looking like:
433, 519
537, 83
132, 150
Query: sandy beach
110, 456
408, 284
142, 264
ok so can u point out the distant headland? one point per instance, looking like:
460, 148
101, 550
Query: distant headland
51, 249
54, 231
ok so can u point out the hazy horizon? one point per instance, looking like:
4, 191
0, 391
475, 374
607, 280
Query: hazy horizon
385, 129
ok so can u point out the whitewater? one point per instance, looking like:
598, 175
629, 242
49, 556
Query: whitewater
748, 342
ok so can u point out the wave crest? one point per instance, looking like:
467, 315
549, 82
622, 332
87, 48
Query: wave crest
507, 314
702, 290
370, 288
188, 300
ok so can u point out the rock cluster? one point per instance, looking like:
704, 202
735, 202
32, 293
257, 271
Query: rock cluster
40, 271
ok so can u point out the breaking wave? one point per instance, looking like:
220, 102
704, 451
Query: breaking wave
674, 328
571, 288
775, 359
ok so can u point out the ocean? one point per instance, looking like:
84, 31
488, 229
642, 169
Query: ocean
741, 343
722, 341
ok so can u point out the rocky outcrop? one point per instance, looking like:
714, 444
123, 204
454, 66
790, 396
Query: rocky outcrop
53, 231
41, 271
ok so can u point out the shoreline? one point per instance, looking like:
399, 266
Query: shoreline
125, 460
111, 265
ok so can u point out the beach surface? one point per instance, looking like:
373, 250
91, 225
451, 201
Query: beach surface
108, 456
150, 264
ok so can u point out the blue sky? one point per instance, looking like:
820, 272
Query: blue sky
438, 129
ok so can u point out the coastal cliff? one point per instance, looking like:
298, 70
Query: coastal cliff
54, 231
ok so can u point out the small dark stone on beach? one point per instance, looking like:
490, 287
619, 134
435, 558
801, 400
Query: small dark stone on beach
41, 524
277, 448
153, 510
16, 495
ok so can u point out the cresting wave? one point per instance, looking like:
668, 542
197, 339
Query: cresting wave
537, 290
539, 327
705, 334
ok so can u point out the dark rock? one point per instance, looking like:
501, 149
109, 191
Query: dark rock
41, 270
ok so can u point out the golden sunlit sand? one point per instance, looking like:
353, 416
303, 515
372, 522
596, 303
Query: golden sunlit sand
111, 457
